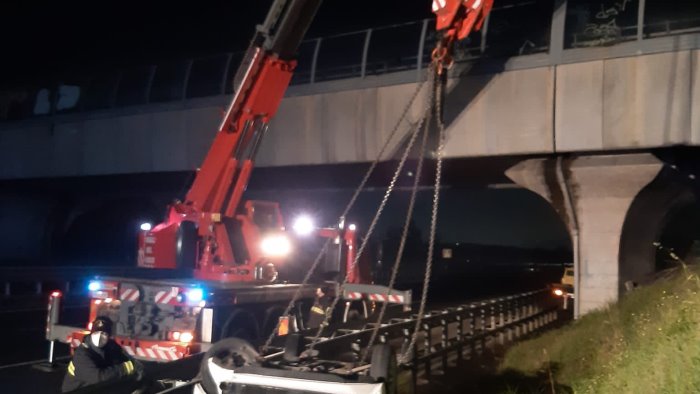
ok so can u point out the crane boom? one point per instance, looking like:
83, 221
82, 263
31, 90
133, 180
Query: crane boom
211, 231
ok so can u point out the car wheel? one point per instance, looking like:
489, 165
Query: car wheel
229, 353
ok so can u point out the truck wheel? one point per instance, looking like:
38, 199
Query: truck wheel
186, 245
384, 367
229, 353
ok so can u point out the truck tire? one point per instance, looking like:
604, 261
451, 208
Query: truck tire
227, 353
186, 246
384, 367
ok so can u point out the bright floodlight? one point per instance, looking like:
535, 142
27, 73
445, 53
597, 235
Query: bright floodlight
352, 227
276, 245
303, 225
146, 226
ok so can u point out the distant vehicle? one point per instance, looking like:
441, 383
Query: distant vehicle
565, 288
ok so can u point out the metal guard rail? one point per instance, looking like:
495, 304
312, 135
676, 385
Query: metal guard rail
467, 328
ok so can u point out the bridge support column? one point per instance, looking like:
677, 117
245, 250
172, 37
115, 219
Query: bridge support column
592, 194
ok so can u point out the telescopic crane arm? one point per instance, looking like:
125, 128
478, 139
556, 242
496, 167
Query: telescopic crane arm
211, 231
260, 83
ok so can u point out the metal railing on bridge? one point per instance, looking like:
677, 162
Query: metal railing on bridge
516, 27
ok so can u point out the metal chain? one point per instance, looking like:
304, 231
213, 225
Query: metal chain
348, 207
438, 86
376, 161
404, 236
370, 230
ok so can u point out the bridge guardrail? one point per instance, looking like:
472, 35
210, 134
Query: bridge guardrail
510, 30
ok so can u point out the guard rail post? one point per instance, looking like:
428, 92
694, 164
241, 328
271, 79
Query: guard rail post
459, 334
472, 329
501, 322
444, 341
411, 352
509, 319
427, 347
518, 316
530, 313
482, 328
523, 316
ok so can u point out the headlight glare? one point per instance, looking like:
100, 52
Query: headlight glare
276, 245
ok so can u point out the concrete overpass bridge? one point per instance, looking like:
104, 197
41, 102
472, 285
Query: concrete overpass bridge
591, 104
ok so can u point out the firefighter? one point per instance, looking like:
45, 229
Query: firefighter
320, 307
99, 359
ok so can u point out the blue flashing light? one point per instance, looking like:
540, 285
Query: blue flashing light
94, 285
195, 295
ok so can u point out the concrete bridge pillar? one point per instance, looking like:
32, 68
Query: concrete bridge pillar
593, 195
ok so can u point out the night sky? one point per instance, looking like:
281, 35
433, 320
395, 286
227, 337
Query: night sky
63, 37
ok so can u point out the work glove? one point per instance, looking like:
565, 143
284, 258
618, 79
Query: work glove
129, 367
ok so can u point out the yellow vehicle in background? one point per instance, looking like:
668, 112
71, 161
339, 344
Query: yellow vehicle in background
565, 289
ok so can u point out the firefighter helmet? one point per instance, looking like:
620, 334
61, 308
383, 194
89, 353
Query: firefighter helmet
103, 324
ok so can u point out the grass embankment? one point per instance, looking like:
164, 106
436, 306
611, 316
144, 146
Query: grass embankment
647, 343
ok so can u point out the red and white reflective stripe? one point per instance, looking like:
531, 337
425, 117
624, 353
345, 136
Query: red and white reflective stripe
155, 353
437, 4
128, 350
386, 298
164, 297
150, 353
129, 294
74, 343
353, 295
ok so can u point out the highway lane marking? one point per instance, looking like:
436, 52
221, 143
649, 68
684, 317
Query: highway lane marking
31, 362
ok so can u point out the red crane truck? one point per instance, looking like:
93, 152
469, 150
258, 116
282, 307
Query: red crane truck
226, 250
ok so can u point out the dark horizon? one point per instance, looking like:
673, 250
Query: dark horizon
72, 38
478, 206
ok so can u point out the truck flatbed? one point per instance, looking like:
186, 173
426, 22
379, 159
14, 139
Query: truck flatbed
243, 292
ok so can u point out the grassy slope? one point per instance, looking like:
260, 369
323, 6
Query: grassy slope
648, 343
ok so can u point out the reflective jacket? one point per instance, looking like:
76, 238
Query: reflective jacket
92, 365
318, 311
